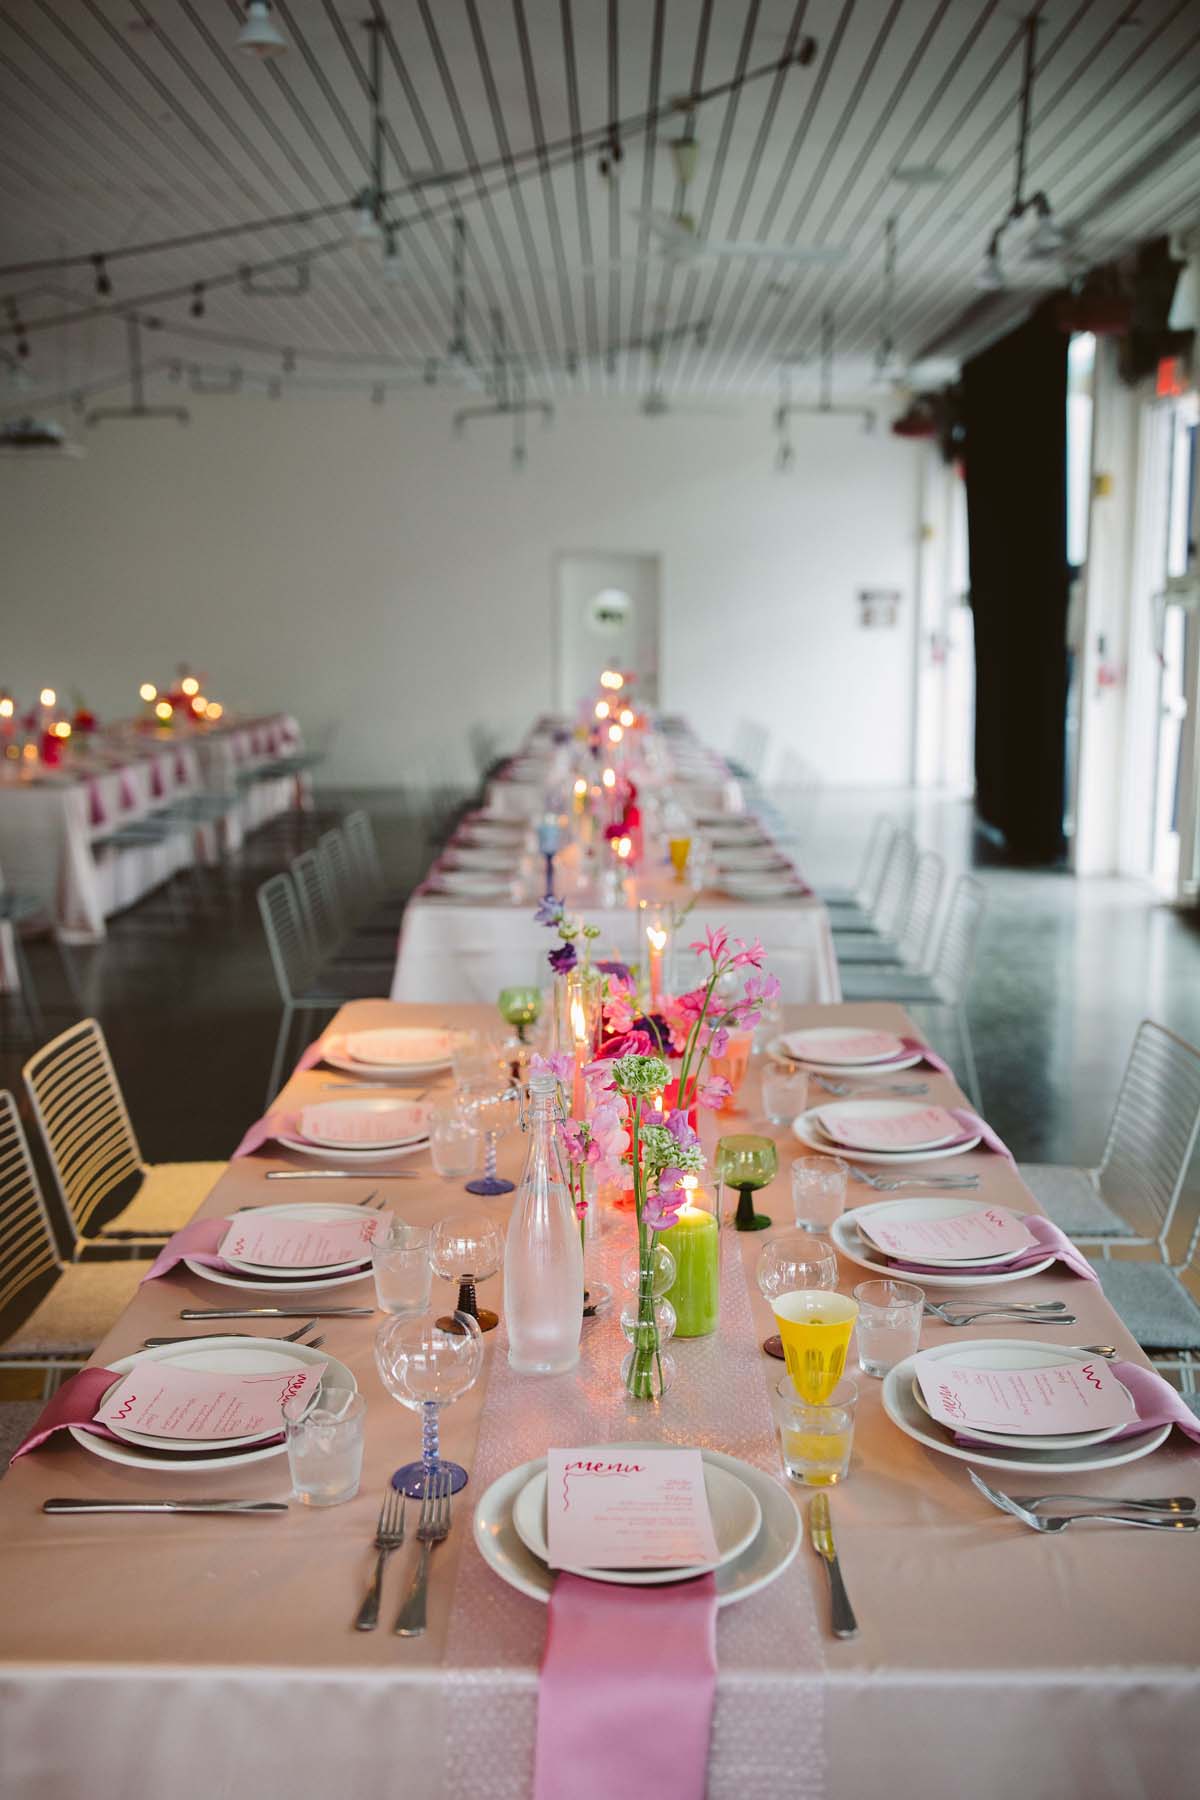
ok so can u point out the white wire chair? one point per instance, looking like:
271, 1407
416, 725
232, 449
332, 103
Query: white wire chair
911, 947
52, 1313
94, 1151
863, 897
331, 936
304, 987
887, 916
380, 905
943, 990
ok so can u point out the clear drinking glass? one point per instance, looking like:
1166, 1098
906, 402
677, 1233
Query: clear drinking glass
816, 1440
325, 1448
818, 1191
454, 1142
426, 1364
403, 1275
784, 1093
889, 1323
790, 1263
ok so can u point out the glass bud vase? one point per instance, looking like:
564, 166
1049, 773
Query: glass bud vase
543, 1257
647, 1371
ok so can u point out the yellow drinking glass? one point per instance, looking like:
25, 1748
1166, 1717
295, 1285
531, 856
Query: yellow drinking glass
680, 849
815, 1328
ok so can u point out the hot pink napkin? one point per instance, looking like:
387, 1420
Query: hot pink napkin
269, 1126
1155, 1401
972, 1123
628, 1681
128, 792
914, 1047
74, 1403
199, 1240
95, 804
1051, 1241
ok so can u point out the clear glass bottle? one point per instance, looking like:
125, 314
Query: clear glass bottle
543, 1258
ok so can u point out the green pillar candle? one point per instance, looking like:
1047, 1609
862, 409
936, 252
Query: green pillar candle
694, 1241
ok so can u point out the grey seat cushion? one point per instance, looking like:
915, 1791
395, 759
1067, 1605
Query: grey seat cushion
1153, 1303
17, 1420
1070, 1197
886, 984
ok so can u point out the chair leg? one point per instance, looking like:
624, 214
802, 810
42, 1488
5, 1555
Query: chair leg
283, 1038
29, 995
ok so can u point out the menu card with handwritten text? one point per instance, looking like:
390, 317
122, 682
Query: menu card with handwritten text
975, 1231
1064, 1397
643, 1509
295, 1243
168, 1400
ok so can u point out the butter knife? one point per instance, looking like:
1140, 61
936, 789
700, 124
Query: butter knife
164, 1506
820, 1530
341, 1174
277, 1312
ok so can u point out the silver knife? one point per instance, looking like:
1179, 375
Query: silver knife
164, 1506
277, 1312
820, 1530
342, 1174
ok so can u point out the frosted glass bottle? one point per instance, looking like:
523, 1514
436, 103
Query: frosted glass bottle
543, 1258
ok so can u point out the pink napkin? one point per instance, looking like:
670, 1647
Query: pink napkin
1051, 1241
128, 791
198, 1240
269, 1126
1155, 1401
74, 1403
628, 1681
914, 1047
972, 1123
95, 803
156, 779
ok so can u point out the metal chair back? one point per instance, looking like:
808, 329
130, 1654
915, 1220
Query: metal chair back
340, 879
954, 963
1153, 1130
84, 1122
27, 1248
917, 935
895, 890
364, 854
287, 939
318, 907
875, 860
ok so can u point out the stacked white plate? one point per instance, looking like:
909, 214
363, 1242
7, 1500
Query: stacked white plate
855, 1243
482, 856
471, 884
820, 1128
217, 1355
760, 885
363, 1129
1065, 1454
405, 1050
732, 858
844, 1050
236, 1272
757, 1526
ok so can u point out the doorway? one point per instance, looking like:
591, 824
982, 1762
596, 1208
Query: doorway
607, 613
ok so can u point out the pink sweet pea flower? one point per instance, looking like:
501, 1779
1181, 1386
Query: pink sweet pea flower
748, 954
661, 1209
557, 1064
712, 944
714, 1093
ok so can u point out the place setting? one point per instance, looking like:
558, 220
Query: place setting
851, 1052
389, 1053
954, 1241
301, 1247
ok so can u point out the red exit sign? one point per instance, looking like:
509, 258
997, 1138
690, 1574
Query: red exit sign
1171, 378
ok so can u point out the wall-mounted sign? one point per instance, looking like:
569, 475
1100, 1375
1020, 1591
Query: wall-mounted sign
878, 606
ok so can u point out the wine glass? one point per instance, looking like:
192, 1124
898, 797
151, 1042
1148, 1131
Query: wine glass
468, 1248
476, 1057
520, 1007
492, 1103
426, 1364
795, 1261
747, 1163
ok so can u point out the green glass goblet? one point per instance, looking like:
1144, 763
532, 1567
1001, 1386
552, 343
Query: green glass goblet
747, 1163
520, 1007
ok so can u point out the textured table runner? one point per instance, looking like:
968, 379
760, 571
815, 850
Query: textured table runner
769, 1719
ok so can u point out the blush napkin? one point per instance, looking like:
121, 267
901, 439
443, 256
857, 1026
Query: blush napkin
74, 1403
1051, 1241
199, 1240
628, 1682
1155, 1401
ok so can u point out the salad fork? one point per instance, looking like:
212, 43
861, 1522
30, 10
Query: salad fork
869, 1092
1059, 1522
886, 1184
1172, 1503
389, 1535
431, 1529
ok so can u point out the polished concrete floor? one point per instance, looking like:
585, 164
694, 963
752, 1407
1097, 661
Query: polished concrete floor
1066, 970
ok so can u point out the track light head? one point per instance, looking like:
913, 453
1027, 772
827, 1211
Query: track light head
989, 277
260, 36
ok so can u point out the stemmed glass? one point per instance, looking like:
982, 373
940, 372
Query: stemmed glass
426, 1364
747, 1163
520, 1007
790, 1264
468, 1248
493, 1104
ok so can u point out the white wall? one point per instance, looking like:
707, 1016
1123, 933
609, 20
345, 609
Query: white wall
358, 565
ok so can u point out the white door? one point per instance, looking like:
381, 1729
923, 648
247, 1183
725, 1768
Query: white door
608, 613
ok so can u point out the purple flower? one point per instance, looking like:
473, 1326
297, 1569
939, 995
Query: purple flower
714, 1093
563, 959
620, 969
661, 1209
549, 911
681, 1131
558, 1064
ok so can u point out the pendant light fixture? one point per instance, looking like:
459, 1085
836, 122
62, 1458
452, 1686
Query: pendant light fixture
260, 36
1048, 236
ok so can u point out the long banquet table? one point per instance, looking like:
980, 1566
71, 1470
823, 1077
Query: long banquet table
194, 1657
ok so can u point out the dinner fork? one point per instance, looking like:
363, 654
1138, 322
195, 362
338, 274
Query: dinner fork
1004, 1313
1172, 1503
869, 1092
886, 1184
191, 1337
1060, 1521
1012, 1306
389, 1535
432, 1528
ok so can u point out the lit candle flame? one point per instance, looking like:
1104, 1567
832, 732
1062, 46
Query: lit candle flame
615, 734
609, 778
581, 787
190, 685
626, 716
578, 1021
148, 691
214, 709
199, 703
624, 846
657, 936
602, 709
163, 709
6, 708
49, 697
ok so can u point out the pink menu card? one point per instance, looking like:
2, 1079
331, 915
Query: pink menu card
890, 1131
1063, 1397
643, 1510
292, 1243
167, 1400
976, 1231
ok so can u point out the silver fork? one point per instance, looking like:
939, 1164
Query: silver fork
389, 1535
1033, 1309
886, 1184
1172, 1503
291, 1337
1059, 1522
433, 1526
866, 1091
1000, 1313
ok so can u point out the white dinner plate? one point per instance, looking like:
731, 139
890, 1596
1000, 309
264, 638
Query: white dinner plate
137, 1456
903, 1411
480, 856
856, 1249
473, 884
736, 1516
765, 1558
304, 1283
831, 1113
827, 1039
729, 858
322, 1212
848, 1072
1018, 1353
749, 887
247, 1356
921, 1207
396, 1049
809, 1132
349, 1151
409, 1117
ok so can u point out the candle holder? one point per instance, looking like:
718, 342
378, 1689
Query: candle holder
583, 1000
747, 1163
655, 924
695, 1243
